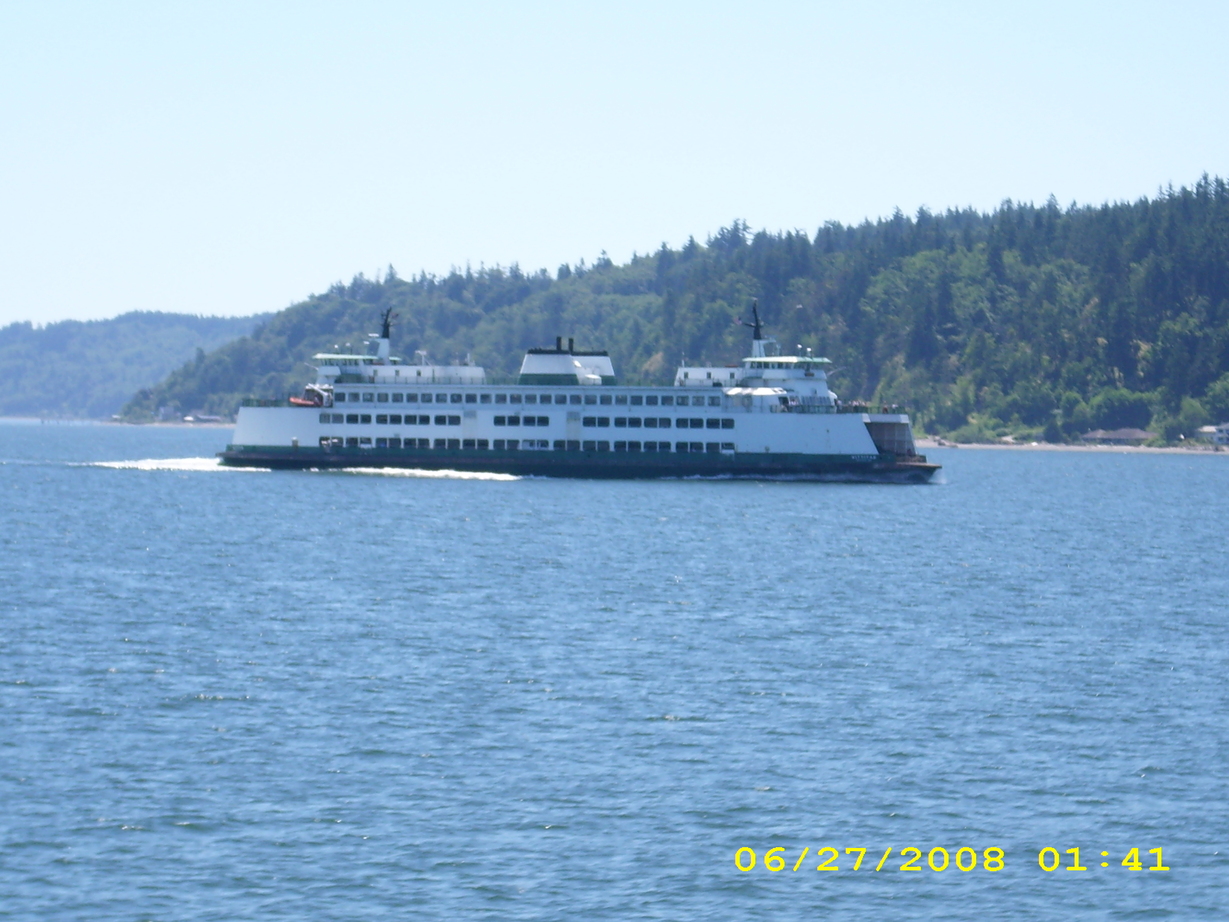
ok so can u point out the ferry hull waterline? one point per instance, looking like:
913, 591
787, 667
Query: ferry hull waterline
770, 417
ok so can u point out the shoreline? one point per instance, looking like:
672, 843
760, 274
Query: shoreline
928, 443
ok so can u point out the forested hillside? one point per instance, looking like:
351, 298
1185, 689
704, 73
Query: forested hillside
1033, 320
80, 370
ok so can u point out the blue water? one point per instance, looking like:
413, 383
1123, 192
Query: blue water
250, 695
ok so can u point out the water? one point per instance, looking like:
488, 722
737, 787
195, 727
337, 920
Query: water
252, 695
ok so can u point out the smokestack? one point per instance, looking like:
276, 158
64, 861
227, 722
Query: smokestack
558, 343
571, 344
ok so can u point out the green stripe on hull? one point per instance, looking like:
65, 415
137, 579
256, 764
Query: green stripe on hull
588, 464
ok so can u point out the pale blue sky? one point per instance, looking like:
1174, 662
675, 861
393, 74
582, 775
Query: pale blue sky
229, 158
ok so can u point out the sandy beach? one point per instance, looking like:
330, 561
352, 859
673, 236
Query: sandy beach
1200, 448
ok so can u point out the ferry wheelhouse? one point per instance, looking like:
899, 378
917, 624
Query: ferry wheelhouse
771, 415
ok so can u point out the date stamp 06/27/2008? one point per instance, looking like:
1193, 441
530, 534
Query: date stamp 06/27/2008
937, 859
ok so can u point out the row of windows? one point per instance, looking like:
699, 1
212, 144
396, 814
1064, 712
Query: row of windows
660, 422
635, 400
522, 444
522, 420
392, 419
600, 422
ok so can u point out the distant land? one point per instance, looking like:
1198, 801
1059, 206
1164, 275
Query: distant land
88, 370
1039, 322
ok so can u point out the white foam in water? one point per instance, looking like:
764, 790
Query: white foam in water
417, 472
171, 464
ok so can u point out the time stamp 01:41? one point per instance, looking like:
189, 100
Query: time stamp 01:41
965, 859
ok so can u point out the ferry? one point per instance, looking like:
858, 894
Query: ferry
769, 416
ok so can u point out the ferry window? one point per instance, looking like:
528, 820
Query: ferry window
365, 419
620, 446
514, 398
454, 420
501, 420
382, 420
633, 422
543, 420
398, 398
633, 446
573, 445
713, 423
708, 375
590, 446
637, 400
713, 446
441, 398
325, 417
560, 445
545, 398
499, 444
620, 422
531, 398
501, 398
590, 399
603, 422
471, 398
339, 397
381, 398
574, 398
651, 400
364, 442
513, 444
381, 443
650, 446
589, 421
514, 420
560, 398
484, 398
663, 422
395, 419
530, 421
352, 442
714, 401
456, 398
426, 398
352, 419
338, 418
441, 443
411, 398
483, 444
603, 446
605, 400
680, 446
369, 398
667, 400
441, 420
394, 442
697, 446
468, 443
621, 399
727, 424
650, 422
727, 446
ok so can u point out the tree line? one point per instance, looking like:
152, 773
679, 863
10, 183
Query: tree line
1031, 320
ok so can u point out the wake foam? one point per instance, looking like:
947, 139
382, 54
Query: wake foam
171, 464
426, 474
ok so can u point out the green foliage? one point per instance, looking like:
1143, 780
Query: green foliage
1031, 320
76, 369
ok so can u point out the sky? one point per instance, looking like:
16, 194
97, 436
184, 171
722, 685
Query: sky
233, 158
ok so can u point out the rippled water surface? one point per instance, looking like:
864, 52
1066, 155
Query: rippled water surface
252, 695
